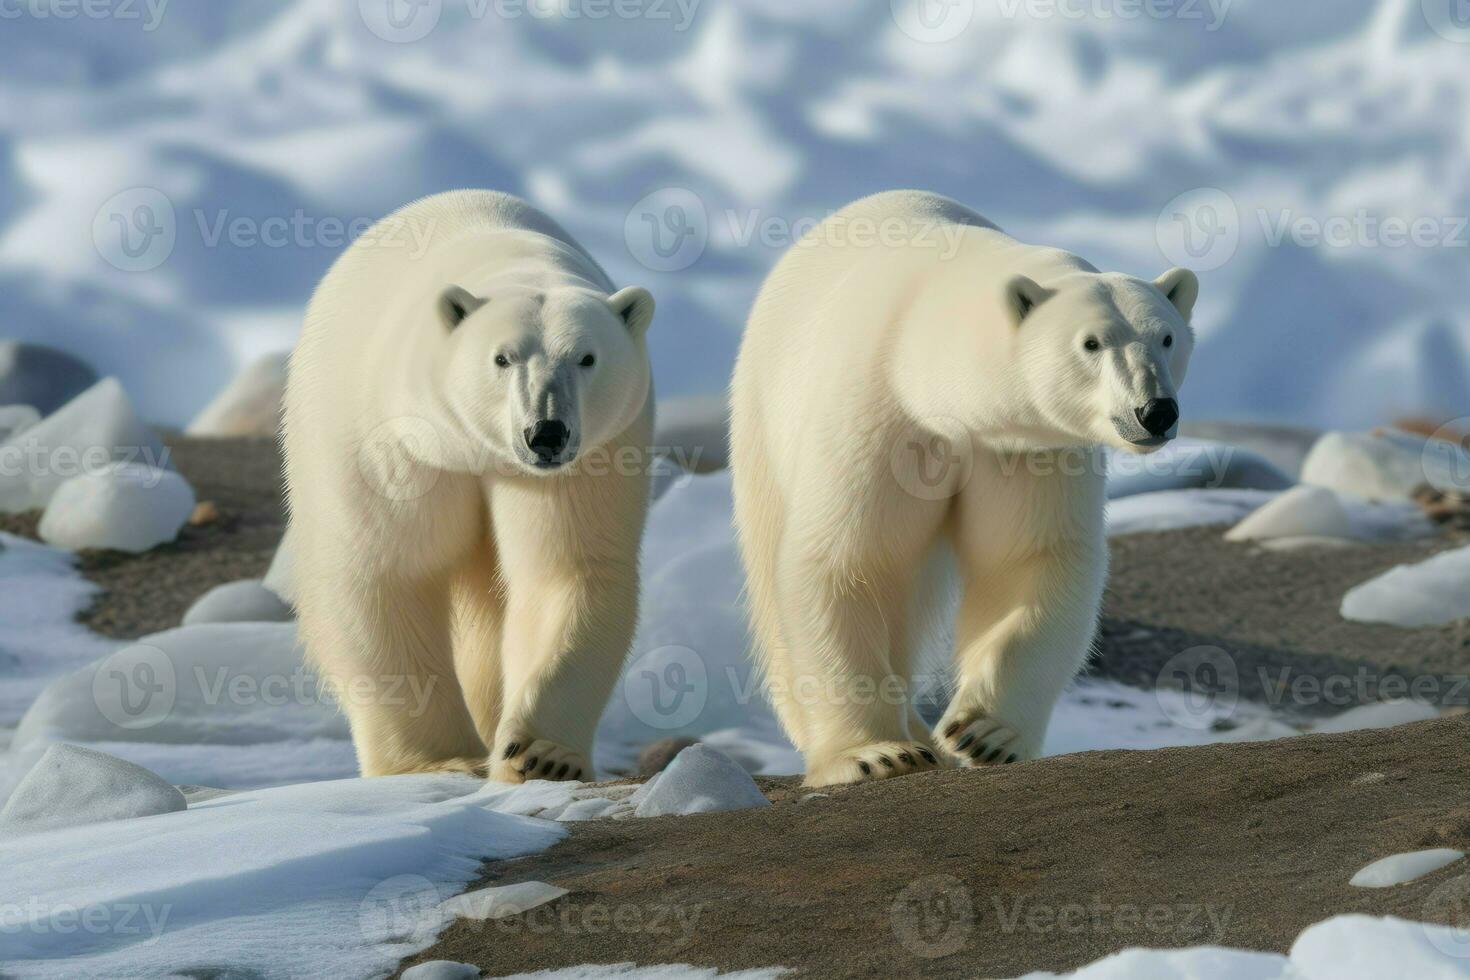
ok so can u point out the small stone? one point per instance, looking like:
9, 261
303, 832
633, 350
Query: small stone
205, 512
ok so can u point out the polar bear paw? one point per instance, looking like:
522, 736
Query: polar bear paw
527, 758
874, 761
981, 739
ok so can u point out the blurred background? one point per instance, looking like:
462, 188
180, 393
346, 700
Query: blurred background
176, 175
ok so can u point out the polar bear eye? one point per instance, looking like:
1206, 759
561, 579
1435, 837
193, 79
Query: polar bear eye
588, 361
1168, 340
502, 361
1092, 343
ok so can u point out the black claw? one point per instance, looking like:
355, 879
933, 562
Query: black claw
887, 762
995, 753
965, 741
578, 774
563, 770
928, 756
546, 769
866, 769
905, 758
978, 751
1010, 758
530, 764
949, 732
511, 750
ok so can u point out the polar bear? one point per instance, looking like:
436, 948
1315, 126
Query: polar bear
466, 419
916, 392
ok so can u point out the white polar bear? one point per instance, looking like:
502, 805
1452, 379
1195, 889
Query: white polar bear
466, 421
915, 386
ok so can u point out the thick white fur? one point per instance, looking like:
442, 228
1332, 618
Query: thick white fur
466, 606
897, 321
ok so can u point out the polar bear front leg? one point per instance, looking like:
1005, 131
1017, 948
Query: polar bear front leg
569, 559
1024, 630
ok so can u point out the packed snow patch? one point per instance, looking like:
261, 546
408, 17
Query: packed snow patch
120, 506
1398, 869
1170, 510
93, 429
502, 900
699, 780
71, 785
246, 601
1428, 593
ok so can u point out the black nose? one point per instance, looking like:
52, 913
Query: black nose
1158, 416
547, 439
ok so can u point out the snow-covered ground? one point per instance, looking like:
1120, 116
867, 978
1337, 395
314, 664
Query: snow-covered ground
307, 857
175, 177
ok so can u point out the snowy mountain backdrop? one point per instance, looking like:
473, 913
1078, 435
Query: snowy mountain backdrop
175, 175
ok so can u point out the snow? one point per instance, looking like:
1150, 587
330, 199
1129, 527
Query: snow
299, 119
442, 970
1191, 463
1307, 515
84, 435
250, 405
235, 880
1168, 510
699, 780
502, 900
246, 601
71, 785
121, 506
1427, 593
15, 419
1385, 465
1344, 947
1399, 869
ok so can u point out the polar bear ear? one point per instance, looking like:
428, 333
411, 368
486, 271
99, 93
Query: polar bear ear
634, 305
1180, 287
456, 303
1024, 295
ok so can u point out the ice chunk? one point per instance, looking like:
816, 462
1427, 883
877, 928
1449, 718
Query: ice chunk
122, 506
1168, 510
1429, 593
502, 900
699, 780
1303, 511
15, 419
1398, 869
1384, 465
215, 684
442, 970
96, 427
70, 785
246, 601
250, 405
1191, 464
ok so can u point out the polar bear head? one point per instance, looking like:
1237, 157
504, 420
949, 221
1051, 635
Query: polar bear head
1103, 355
541, 377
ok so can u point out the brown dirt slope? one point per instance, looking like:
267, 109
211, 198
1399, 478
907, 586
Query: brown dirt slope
992, 873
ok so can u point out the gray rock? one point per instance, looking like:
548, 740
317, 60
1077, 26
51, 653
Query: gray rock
41, 377
246, 601
70, 786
